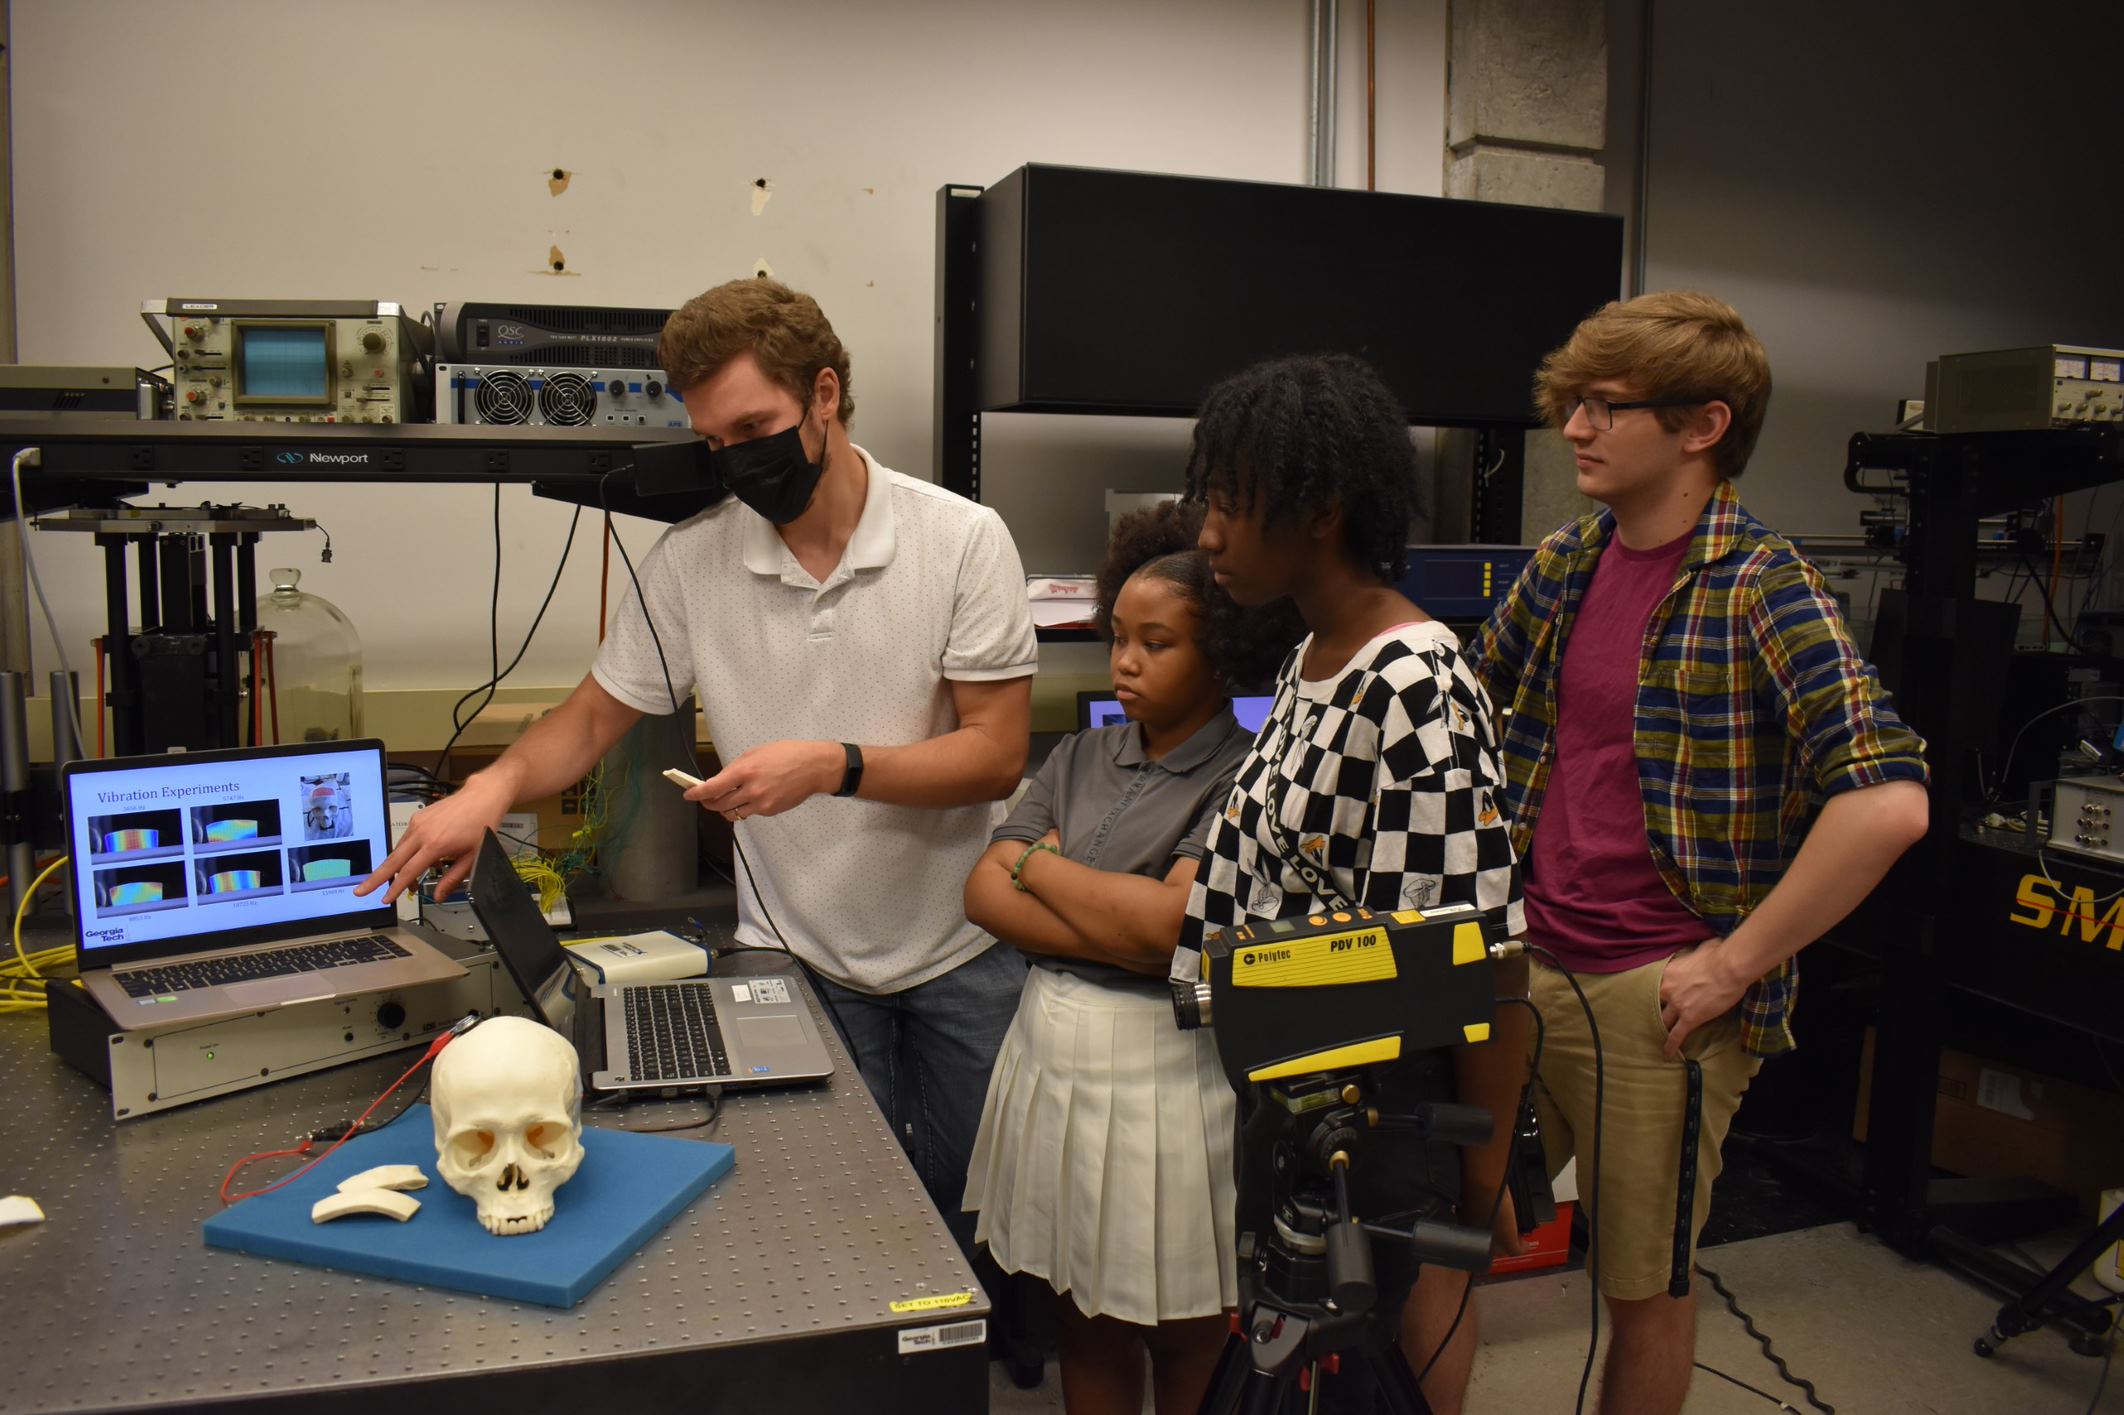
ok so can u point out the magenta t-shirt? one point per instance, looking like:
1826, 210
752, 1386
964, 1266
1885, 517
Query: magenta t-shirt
1594, 897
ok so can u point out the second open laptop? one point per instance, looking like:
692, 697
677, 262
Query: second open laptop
676, 1035
212, 884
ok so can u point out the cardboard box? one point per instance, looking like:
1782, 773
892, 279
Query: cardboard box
1994, 1121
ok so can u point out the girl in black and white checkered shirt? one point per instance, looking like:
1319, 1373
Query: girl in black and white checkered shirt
1375, 780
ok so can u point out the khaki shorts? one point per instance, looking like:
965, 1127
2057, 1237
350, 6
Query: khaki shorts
1640, 1162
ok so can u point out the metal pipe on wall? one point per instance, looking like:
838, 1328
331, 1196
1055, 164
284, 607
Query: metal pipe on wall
1321, 167
15, 783
1371, 95
1644, 153
66, 695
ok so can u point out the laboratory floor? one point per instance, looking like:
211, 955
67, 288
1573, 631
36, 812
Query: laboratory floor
1877, 1333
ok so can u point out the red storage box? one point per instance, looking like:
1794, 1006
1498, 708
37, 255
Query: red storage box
1548, 1246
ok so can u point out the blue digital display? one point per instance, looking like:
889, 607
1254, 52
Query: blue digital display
1098, 710
284, 364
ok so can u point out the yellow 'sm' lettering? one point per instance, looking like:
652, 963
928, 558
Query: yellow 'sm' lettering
2091, 927
2030, 897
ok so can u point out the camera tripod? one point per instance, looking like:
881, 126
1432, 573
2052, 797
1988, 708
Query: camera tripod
1312, 1331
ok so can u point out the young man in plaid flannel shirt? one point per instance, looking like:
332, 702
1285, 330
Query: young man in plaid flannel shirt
1704, 777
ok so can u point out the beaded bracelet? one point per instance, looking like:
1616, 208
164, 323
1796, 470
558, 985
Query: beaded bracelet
1031, 850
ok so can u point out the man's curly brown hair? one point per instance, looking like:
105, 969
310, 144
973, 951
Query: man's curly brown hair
1244, 647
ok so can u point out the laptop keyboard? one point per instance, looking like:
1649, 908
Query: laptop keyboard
672, 1033
267, 963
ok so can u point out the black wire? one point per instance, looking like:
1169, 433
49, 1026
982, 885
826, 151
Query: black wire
672, 693
413, 1098
714, 1100
1752, 1390
493, 641
1600, 1115
1769, 1352
2049, 606
642, 600
567, 547
1526, 1095
529, 634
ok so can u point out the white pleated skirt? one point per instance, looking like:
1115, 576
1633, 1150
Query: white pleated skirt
1104, 1159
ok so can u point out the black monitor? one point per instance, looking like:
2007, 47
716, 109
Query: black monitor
522, 939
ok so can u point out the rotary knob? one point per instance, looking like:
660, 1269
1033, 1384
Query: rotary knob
653, 389
373, 342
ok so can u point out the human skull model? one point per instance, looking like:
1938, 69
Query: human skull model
507, 1099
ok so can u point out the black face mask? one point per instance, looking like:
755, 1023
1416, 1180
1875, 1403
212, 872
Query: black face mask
771, 474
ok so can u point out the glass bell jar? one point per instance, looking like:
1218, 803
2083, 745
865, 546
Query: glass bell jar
310, 679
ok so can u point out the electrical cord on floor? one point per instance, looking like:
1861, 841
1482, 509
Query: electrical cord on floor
1785, 1372
1526, 1093
1752, 1390
671, 692
1600, 1116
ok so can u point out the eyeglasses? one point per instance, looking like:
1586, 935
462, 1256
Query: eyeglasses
1600, 412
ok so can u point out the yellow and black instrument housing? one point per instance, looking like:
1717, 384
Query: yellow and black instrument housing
1355, 987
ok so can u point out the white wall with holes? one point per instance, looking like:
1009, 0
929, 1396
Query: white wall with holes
402, 150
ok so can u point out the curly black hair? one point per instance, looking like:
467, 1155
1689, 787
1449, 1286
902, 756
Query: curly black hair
1244, 646
1300, 435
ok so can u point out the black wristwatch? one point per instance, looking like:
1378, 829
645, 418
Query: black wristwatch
853, 776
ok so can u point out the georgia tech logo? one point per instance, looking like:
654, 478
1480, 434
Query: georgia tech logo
289, 459
2050, 904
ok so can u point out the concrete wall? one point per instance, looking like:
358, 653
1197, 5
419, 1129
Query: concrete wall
1527, 105
1874, 185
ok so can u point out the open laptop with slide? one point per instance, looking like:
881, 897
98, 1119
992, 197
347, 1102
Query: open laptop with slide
211, 884
680, 1034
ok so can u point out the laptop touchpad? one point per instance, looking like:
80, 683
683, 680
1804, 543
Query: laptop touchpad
770, 1031
266, 991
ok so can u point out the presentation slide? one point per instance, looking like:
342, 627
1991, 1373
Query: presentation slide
186, 849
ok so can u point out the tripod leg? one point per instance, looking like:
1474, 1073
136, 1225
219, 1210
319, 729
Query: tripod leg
1242, 1386
2049, 1298
1394, 1388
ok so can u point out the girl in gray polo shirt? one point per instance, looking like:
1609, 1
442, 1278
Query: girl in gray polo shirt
1104, 1160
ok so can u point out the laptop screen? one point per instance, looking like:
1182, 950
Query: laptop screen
1104, 710
200, 850
525, 942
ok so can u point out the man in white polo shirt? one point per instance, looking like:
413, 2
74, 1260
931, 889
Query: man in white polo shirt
863, 649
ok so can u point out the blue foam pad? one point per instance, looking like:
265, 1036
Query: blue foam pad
628, 1188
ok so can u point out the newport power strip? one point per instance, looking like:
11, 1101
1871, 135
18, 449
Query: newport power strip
158, 1069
